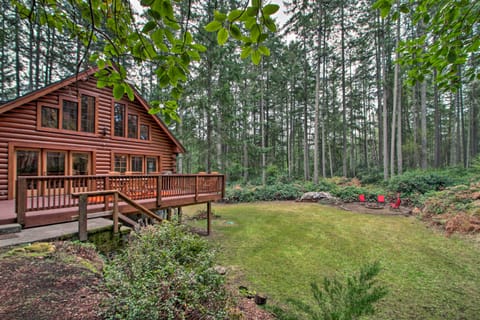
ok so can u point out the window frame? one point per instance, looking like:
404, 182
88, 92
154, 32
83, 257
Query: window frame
77, 99
130, 156
129, 110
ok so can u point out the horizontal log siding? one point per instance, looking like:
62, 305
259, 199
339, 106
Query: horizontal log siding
20, 126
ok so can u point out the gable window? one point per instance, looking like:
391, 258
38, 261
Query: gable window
119, 119
70, 115
50, 117
127, 122
88, 114
133, 126
144, 132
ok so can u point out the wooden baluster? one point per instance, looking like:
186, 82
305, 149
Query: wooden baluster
159, 190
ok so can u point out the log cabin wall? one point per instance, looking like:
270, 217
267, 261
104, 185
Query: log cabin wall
20, 129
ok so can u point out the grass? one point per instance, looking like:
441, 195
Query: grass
279, 248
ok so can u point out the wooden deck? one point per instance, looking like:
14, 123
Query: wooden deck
48, 200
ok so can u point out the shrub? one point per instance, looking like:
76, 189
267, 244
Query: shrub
419, 182
348, 299
165, 273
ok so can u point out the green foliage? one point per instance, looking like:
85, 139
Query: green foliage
345, 300
250, 26
452, 25
165, 273
419, 182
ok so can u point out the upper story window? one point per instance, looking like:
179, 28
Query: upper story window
88, 114
133, 126
70, 115
119, 119
73, 115
127, 123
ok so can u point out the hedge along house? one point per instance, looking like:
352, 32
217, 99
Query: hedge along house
72, 137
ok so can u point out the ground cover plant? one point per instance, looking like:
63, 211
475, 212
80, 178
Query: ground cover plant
280, 248
165, 273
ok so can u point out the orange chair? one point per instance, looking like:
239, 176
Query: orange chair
381, 200
361, 198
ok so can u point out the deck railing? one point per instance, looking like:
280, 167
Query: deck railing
55, 192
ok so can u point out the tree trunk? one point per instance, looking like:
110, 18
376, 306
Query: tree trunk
437, 124
423, 123
344, 106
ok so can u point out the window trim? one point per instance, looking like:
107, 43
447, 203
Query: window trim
129, 155
59, 106
129, 110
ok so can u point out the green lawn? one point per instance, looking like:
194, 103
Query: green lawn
279, 248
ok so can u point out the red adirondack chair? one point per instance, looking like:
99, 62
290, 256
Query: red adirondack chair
361, 198
381, 200
396, 204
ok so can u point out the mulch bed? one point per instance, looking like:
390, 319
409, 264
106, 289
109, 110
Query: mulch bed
46, 286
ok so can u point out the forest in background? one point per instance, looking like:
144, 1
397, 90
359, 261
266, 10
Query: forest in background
328, 101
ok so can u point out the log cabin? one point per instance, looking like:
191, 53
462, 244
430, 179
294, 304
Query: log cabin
72, 137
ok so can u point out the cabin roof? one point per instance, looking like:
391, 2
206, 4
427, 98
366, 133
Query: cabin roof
78, 77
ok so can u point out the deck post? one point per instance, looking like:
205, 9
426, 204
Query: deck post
159, 191
223, 185
179, 215
106, 186
115, 213
82, 217
169, 214
21, 200
209, 217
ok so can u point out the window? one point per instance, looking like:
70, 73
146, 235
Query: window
151, 164
80, 163
119, 120
144, 132
88, 114
133, 126
127, 123
120, 163
70, 115
27, 162
137, 164
55, 163
50, 117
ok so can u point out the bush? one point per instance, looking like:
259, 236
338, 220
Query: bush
349, 299
165, 273
419, 182
275, 191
